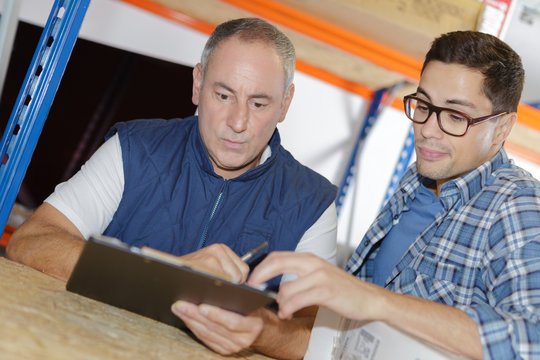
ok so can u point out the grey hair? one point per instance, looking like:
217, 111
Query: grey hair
251, 30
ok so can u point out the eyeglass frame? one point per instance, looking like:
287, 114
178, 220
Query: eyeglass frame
437, 110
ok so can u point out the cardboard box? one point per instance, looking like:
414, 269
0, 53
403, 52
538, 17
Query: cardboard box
369, 341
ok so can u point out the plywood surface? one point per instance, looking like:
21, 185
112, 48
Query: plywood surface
39, 319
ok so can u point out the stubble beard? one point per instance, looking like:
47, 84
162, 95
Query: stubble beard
433, 171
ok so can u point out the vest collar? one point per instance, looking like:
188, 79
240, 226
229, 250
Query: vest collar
201, 154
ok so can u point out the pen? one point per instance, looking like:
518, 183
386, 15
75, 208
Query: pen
251, 253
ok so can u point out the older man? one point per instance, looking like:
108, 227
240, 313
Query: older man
207, 188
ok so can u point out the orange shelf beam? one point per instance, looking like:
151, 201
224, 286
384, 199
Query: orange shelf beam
174, 15
522, 152
330, 34
207, 28
333, 79
528, 115
6, 234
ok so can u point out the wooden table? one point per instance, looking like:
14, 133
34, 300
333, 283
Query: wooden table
39, 319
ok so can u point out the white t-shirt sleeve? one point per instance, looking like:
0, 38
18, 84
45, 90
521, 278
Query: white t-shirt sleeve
90, 198
319, 239
327, 322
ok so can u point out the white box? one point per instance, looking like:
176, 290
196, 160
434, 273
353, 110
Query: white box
372, 341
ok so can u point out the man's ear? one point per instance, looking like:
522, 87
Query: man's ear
504, 126
287, 102
197, 83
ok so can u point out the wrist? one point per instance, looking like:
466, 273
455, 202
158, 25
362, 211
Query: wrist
284, 339
384, 306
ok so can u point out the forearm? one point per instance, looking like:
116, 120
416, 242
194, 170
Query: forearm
46, 245
330, 287
443, 325
285, 339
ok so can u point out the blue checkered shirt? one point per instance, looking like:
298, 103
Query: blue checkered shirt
481, 254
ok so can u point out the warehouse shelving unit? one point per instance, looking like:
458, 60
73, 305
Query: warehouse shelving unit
36, 97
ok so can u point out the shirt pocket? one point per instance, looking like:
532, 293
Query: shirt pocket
430, 279
252, 236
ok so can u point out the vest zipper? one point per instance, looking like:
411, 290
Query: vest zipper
202, 242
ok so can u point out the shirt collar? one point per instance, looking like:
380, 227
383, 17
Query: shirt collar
266, 154
467, 186
462, 188
267, 157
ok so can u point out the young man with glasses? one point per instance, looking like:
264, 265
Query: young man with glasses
454, 256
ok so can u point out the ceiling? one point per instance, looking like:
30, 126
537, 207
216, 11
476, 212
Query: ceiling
361, 45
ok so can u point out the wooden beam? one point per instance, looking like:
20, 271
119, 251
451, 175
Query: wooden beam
342, 57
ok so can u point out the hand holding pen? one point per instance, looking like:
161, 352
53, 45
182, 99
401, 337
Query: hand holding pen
255, 251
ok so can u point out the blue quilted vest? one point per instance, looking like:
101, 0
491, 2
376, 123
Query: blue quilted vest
174, 201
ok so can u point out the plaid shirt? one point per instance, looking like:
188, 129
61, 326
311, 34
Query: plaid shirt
481, 254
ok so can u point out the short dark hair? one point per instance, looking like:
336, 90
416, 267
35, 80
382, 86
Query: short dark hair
501, 66
253, 29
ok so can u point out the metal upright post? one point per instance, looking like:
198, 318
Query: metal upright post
377, 104
401, 165
36, 97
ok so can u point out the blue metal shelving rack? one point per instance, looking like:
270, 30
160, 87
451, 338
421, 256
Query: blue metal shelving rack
380, 98
36, 97
377, 104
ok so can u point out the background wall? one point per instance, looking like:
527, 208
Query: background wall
524, 36
322, 123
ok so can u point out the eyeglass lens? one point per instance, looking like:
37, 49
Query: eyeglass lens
449, 121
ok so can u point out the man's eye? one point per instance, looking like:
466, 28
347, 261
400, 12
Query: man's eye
422, 108
257, 105
223, 97
457, 118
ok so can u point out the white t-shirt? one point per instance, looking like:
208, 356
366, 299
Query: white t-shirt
90, 198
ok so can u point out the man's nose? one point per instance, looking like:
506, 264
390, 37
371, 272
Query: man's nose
431, 127
238, 118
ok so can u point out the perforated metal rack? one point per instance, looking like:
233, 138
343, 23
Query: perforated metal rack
36, 97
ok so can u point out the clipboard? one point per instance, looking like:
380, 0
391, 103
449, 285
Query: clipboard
148, 282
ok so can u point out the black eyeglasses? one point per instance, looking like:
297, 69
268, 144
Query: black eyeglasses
451, 122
